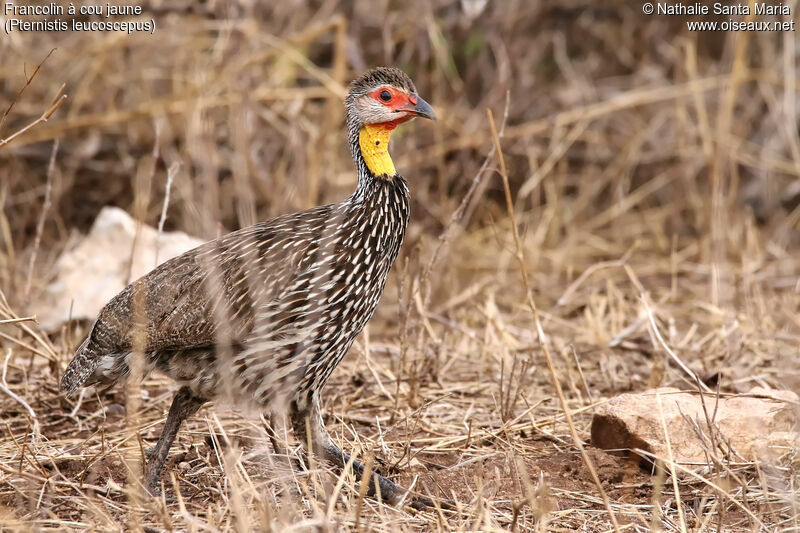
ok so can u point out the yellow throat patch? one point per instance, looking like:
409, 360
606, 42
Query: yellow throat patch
374, 142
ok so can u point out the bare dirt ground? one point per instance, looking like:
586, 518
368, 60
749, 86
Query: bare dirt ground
652, 175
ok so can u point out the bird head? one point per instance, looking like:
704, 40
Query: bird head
377, 102
385, 96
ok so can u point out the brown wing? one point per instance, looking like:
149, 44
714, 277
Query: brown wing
205, 296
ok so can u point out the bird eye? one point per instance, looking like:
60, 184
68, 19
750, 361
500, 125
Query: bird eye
385, 95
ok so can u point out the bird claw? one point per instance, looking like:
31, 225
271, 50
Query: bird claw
156, 493
395, 494
423, 503
154, 489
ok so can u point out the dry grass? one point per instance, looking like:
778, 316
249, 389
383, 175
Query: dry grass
653, 179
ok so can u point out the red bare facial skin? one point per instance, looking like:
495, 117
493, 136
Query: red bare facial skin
398, 100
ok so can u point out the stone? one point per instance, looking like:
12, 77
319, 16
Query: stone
115, 410
95, 268
761, 425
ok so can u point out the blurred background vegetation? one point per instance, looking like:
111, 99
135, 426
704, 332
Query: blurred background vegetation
247, 99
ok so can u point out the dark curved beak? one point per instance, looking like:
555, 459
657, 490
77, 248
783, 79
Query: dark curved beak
420, 109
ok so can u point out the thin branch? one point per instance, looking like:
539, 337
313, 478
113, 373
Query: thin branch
173, 170
54, 105
42, 217
28, 81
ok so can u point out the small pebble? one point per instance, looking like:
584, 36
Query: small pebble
183, 466
115, 409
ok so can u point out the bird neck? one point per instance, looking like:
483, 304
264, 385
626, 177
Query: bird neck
369, 145
373, 140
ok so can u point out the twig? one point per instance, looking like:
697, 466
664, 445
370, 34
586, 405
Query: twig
142, 185
458, 214
173, 169
673, 355
28, 81
55, 103
18, 320
567, 296
43, 340
677, 466
78, 404
4, 387
671, 462
42, 217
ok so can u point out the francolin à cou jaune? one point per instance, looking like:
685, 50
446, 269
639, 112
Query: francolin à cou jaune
263, 315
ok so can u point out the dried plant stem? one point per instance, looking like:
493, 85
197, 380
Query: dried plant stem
5, 388
173, 170
42, 217
18, 320
671, 462
458, 214
520, 256
58, 99
28, 81
657, 334
143, 182
48, 352
674, 466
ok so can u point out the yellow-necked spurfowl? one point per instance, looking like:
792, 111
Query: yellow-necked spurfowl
263, 315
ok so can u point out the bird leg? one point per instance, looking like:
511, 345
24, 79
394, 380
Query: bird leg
278, 445
269, 426
184, 405
310, 429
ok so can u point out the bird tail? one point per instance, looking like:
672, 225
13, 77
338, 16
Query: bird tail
80, 368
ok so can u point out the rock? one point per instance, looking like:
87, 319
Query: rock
94, 270
761, 425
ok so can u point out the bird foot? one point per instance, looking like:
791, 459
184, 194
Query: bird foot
394, 494
156, 492
153, 486
423, 503
152, 474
